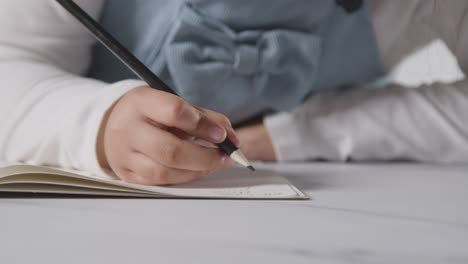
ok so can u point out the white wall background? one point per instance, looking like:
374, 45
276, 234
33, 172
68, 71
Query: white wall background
431, 64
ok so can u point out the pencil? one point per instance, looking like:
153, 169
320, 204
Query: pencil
136, 66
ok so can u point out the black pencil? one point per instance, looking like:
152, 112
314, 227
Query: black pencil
135, 65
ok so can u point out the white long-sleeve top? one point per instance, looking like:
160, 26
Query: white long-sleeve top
51, 115
427, 124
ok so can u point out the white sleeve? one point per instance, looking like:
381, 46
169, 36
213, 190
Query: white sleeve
421, 124
49, 114
429, 123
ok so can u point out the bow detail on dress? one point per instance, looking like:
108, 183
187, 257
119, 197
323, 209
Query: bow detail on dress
221, 68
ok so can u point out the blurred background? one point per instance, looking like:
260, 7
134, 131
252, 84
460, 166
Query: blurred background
434, 63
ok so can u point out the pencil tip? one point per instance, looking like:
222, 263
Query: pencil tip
250, 167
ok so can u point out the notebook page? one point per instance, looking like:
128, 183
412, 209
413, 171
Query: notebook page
233, 183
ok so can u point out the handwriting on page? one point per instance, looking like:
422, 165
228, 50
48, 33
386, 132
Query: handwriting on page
239, 183
245, 192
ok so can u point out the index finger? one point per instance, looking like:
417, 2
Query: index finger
172, 111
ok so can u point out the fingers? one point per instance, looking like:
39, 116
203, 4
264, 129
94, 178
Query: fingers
173, 111
218, 118
143, 170
171, 151
165, 132
224, 121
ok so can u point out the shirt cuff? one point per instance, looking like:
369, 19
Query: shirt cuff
300, 137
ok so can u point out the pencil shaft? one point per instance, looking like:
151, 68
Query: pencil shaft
122, 53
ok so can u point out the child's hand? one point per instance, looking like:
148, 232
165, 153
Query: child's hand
256, 143
148, 139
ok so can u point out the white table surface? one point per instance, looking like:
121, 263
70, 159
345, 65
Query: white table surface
399, 213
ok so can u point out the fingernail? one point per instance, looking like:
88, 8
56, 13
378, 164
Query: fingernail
217, 134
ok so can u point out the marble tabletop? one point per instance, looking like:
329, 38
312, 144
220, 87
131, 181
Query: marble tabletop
359, 213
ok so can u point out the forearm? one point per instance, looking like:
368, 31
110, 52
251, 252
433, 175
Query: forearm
424, 124
50, 117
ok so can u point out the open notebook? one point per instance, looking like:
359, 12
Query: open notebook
233, 183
